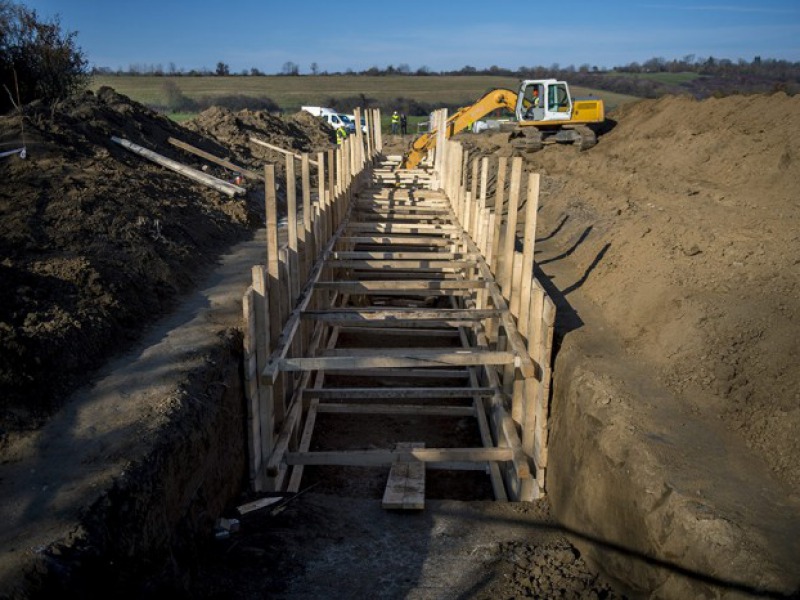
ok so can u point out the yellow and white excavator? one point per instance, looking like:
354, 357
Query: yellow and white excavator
545, 113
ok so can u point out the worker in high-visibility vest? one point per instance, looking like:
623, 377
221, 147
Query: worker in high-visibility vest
341, 134
395, 122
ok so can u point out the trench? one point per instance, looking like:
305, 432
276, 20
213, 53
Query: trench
615, 496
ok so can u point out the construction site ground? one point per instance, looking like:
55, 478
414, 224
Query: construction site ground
676, 239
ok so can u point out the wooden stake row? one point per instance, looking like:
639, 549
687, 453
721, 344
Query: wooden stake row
282, 287
493, 232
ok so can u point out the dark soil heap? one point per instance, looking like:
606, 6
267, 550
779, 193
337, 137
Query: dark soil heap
301, 132
96, 242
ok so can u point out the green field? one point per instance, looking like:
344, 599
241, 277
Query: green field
290, 93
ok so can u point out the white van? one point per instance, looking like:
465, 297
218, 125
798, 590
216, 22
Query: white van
363, 122
331, 117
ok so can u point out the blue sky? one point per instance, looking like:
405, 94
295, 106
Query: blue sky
440, 35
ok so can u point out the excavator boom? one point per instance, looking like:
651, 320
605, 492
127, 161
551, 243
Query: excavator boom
461, 120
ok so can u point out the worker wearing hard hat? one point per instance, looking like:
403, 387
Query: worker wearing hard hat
395, 122
341, 134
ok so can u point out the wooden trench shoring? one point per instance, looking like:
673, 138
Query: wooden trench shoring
420, 255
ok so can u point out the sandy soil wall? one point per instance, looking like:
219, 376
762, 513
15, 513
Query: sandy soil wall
655, 497
146, 531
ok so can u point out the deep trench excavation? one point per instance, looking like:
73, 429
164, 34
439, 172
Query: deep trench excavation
399, 408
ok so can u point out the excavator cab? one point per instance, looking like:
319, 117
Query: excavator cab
554, 101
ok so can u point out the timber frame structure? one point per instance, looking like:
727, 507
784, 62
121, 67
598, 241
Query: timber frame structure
422, 254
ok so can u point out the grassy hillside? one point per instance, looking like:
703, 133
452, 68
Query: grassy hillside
292, 92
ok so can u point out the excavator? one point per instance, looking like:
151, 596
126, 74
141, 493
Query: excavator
545, 113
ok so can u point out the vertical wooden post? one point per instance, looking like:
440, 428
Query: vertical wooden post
507, 267
379, 134
266, 408
502, 167
309, 249
534, 334
251, 388
441, 142
528, 246
333, 174
322, 239
472, 218
273, 275
291, 226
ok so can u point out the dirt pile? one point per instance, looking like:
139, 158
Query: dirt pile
94, 241
683, 225
301, 132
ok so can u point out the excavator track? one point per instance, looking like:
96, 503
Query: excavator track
530, 141
588, 137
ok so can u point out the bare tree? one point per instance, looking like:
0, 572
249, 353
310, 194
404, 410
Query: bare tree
290, 68
314, 68
223, 69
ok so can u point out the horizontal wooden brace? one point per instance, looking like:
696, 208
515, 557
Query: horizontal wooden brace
394, 255
404, 285
401, 264
399, 314
397, 409
401, 393
385, 458
418, 358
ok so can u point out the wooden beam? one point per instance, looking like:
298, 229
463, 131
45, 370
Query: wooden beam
279, 149
385, 458
355, 287
398, 314
405, 488
174, 165
397, 409
214, 159
384, 359
399, 393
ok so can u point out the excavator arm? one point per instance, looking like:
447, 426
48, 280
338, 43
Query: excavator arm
461, 120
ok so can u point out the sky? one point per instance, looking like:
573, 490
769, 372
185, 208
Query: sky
441, 35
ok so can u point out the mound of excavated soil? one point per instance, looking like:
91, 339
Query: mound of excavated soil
301, 132
95, 242
683, 225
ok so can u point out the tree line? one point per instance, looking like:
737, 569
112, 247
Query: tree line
711, 76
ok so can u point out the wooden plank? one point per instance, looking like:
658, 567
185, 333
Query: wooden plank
379, 314
278, 149
437, 374
392, 255
400, 392
507, 252
397, 409
291, 227
402, 285
309, 245
397, 240
214, 159
186, 171
498, 212
385, 458
422, 331
383, 360
266, 409
405, 488
528, 247
305, 444
251, 387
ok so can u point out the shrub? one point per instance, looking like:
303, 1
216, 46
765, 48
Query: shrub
47, 62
